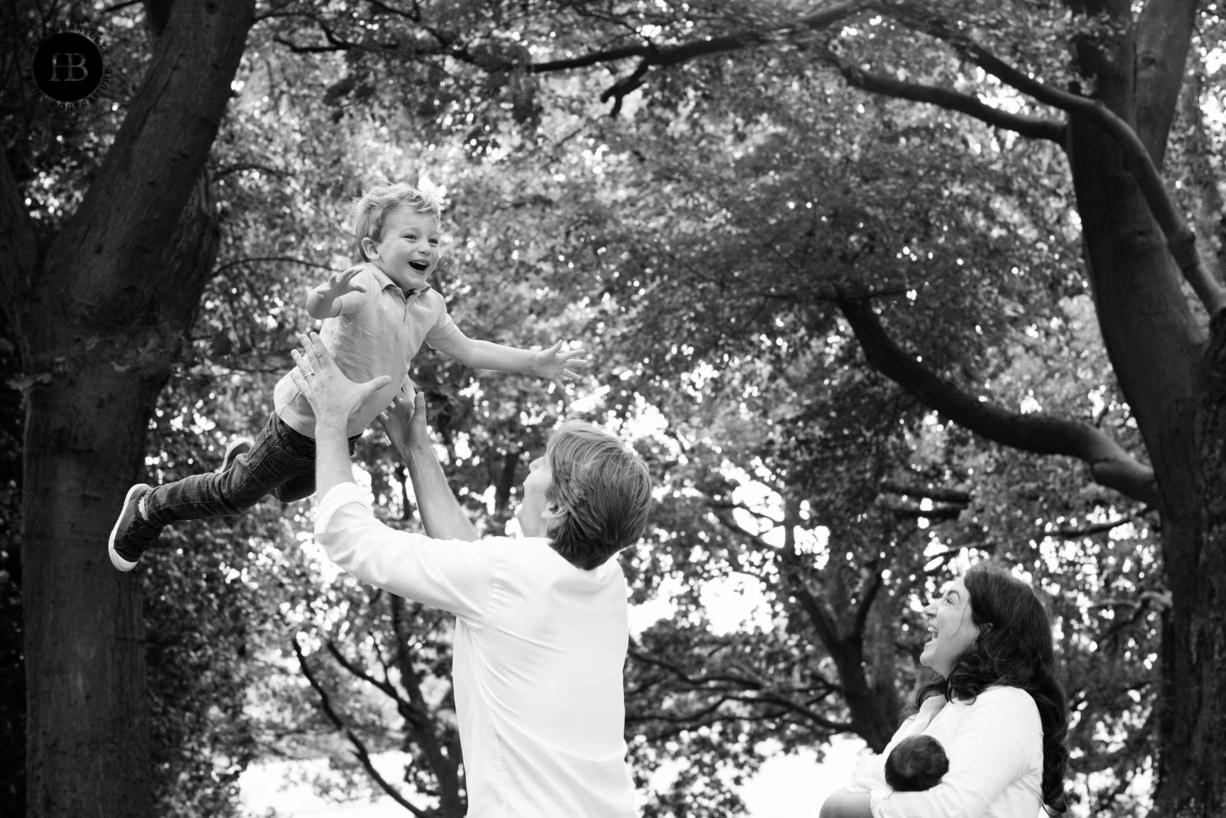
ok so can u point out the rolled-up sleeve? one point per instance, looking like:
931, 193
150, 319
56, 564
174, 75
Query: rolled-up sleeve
453, 576
997, 741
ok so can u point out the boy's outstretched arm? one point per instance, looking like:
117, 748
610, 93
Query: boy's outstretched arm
441, 514
549, 363
339, 294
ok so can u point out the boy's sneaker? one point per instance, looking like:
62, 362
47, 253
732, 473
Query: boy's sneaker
131, 534
239, 445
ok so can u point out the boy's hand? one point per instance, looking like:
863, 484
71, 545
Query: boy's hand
554, 364
338, 284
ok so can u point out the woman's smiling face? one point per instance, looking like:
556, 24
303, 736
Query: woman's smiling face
950, 626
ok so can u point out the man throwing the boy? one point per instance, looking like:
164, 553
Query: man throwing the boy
541, 621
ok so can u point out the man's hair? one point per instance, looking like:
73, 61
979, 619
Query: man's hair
916, 763
1014, 648
370, 211
603, 489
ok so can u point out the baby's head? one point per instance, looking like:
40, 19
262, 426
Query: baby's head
370, 212
916, 763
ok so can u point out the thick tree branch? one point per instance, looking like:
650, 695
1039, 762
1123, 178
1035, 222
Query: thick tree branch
1109, 464
1180, 239
241, 262
153, 165
1101, 528
651, 56
917, 513
951, 496
867, 597
664, 56
1028, 126
1164, 34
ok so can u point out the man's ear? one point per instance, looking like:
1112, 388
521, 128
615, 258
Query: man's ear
553, 517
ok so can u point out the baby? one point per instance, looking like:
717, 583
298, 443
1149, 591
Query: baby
916, 763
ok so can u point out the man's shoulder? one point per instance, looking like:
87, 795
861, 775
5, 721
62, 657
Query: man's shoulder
540, 551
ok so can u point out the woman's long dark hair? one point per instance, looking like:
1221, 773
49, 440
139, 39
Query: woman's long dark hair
1014, 648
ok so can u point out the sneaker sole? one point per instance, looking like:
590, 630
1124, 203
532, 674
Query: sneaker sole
119, 562
227, 459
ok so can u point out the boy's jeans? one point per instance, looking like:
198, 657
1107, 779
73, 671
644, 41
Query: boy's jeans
281, 463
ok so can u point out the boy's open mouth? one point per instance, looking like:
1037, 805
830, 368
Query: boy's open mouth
420, 266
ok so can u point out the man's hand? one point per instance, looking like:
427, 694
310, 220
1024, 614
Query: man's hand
441, 514
554, 364
333, 396
405, 422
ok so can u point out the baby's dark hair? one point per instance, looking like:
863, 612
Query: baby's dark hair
370, 210
916, 763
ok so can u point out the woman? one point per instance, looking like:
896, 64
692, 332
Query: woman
998, 709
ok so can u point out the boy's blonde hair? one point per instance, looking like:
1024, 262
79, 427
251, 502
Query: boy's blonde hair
370, 211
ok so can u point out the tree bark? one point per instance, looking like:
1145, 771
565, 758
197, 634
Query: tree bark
101, 315
1157, 346
1192, 724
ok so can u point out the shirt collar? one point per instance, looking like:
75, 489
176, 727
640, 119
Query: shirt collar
385, 282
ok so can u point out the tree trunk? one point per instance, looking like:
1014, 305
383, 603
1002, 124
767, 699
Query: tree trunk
1156, 345
1192, 768
87, 714
101, 317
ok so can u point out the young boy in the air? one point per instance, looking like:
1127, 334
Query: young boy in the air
375, 318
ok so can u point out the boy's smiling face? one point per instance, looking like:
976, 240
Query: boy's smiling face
408, 250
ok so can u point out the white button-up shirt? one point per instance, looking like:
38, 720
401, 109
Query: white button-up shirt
538, 654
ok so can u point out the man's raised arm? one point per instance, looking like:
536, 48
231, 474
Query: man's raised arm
441, 513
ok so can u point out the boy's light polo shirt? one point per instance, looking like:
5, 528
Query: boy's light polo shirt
538, 654
381, 337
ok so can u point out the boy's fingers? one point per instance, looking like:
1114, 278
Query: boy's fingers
303, 357
315, 349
